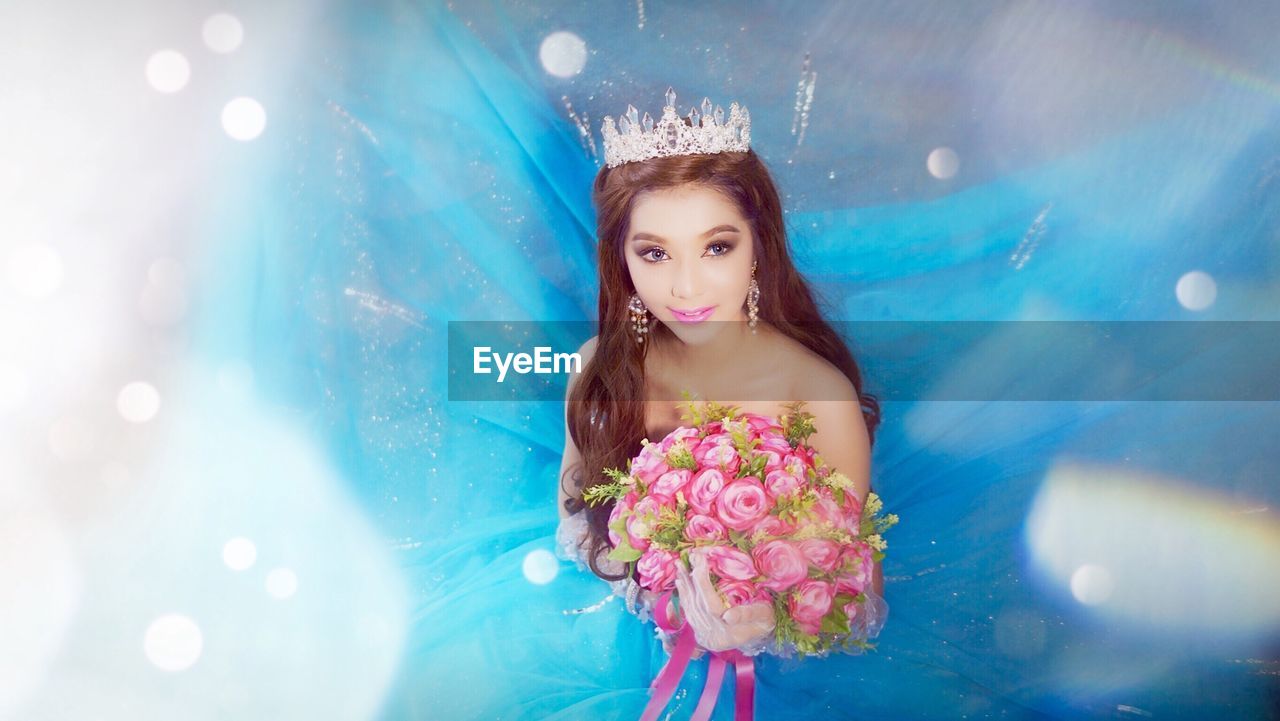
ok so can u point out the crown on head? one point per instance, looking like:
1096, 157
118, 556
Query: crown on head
710, 132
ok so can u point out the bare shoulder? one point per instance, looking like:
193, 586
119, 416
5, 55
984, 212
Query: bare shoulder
841, 436
812, 377
585, 352
588, 349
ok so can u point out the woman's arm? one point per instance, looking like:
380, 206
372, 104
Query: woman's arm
842, 440
572, 456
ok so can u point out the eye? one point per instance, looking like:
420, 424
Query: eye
727, 247
647, 254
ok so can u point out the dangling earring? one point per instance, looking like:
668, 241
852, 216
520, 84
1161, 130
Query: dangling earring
639, 318
753, 301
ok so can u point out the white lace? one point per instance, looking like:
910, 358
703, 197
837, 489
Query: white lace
572, 541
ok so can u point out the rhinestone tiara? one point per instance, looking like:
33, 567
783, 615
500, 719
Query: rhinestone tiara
636, 139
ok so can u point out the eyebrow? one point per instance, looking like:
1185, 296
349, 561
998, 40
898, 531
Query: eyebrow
708, 234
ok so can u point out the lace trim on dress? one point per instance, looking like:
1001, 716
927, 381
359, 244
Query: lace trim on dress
572, 542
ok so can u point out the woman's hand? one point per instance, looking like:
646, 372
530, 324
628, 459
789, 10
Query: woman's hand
747, 627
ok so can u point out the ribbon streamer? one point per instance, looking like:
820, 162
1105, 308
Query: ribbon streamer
665, 683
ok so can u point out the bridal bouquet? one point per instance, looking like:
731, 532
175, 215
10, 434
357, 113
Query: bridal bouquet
744, 499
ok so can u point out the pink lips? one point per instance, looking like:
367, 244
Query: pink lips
696, 315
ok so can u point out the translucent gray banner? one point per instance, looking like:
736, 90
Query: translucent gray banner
927, 361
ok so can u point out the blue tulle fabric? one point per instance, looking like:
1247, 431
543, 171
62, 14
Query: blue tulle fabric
433, 174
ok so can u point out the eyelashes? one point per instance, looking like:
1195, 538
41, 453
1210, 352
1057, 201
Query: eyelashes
647, 254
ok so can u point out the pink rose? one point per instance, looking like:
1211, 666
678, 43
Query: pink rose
823, 553
772, 462
738, 593
776, 450
827, 511
683, 433
742, 503
773, 526
728, 562
795, 465
775, 443
809, 603
718, 451
657, 570
703, 489
716, 438
781, 563
780, 483
806, 454
699, 527
649, 464
859, 565
760, 424
620, 508
640, 525
852, 508
670, 482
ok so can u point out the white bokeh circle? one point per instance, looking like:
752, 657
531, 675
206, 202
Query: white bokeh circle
1196, 290
244, 118
138, 402
168, 71
943, 163
239, 553
1092, 584
173, 642
563, 54
282, 583
222, 33
540, 567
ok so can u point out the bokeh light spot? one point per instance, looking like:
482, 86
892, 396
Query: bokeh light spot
1091, 584
540, 567
173, 642
282, 583
943, 163
222, 33
138, 402
1196, 290
244, 118
1117, 541
563, 54
168, 71
239, 554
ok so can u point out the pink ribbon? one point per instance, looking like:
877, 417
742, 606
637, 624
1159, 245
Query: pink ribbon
665, 683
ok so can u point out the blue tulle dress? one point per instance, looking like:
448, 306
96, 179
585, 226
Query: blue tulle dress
434, 174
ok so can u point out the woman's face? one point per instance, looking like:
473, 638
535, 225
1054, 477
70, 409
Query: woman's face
690, 249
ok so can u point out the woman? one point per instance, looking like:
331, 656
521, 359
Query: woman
698, 293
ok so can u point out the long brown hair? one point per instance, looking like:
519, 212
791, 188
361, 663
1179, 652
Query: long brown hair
605, 416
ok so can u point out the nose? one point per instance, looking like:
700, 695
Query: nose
686, 283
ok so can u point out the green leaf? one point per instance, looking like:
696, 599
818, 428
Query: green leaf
681, 457
624, 552
835, 622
